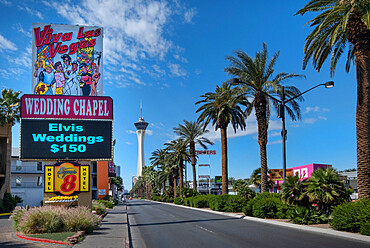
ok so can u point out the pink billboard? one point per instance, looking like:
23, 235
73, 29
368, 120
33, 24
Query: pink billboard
66, 107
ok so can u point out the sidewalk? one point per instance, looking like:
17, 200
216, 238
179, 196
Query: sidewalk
113, 232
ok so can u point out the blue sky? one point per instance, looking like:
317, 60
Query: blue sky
168, 53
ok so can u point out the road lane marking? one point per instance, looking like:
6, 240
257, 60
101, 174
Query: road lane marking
205, 229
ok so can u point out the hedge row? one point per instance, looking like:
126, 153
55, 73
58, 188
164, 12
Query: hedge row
352, 217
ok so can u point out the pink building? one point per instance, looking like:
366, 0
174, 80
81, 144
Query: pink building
303, 171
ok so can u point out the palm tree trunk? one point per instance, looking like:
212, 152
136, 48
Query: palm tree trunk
174, 187
193, 163
225, 184
164, 186
181, 173
5, 186
362, 58
261, 109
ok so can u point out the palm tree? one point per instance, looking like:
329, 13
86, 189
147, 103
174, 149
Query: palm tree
255, 76
9, 115
326, 190
177, 152
256, 179
158, 159
294, 191
223, 108
342, 23
192, 133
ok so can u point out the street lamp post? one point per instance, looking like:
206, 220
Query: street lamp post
281, 110
281, 115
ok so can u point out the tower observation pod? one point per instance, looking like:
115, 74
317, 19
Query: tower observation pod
141, 126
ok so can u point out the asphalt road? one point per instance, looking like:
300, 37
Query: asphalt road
157, 225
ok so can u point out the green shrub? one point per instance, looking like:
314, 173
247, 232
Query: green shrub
352, 217
156, 198
188, 201
307, 216
111, 199
42, 220
9, 203
200, 201
98, 207
179, 201
227, 203
267, 205
188, 192
106, 203
50, 219
17, 216
80, 219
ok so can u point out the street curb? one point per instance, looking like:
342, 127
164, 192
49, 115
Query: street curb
5, 214
284, 224
127, 236
21, 236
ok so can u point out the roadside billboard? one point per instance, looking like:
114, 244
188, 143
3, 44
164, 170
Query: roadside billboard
66, 107
277, 174
67, 60
66, 178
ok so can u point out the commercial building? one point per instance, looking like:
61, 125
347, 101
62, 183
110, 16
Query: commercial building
26, 179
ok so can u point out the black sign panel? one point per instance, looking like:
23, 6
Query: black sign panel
52, 139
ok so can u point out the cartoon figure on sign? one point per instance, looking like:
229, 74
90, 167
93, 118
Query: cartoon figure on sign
85, 81
66, 64
72, 86
95, 78
39, 67
59, 78
46, 80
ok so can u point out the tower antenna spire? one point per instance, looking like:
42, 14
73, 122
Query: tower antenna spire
141, 109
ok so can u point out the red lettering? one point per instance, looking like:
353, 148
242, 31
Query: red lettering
53, 50
84, 44
69, 183
73, 48
89, 33
63, 49
80, 33
48, 39
40, 37
97, 32
92, 42
67, 36
56, 37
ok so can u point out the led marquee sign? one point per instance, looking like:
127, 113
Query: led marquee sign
56, 139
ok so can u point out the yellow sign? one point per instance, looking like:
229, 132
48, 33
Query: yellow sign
49, 179
67, 178
277, 174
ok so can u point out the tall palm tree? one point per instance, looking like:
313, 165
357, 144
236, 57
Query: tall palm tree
192, 133
177, 150
342, 23
158, 159
9, 115
223, 107
255, 76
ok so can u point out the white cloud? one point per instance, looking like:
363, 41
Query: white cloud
7, 44
309, 120
315, 109
275, 142
31, 11
128, 143
135, 31
188, 16
176, 70
251, 129
5, 2
131, 132
149, 132
18, 27
323, 118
